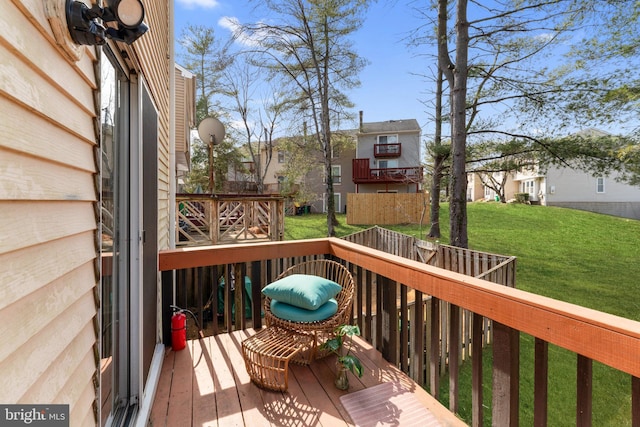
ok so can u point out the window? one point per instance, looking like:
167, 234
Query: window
337, 202
600, 184
336, 174
528, 187
281, 157
115, 242
387, 139
387, 164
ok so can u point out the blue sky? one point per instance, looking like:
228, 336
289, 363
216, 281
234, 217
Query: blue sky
389, 91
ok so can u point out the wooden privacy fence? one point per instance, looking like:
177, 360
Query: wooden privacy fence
203, 219
386, 208
499, 269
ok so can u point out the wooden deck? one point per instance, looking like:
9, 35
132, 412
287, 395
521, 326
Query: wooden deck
207, 385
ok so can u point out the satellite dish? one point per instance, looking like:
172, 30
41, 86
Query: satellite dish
211, 131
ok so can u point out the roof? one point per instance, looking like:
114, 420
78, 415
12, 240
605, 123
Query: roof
389, 126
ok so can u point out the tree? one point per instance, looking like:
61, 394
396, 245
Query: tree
456, 75
499, 60
308, 43
440, 154
207, 58
258, 124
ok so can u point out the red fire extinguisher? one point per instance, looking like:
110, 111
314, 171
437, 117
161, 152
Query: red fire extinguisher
178, 330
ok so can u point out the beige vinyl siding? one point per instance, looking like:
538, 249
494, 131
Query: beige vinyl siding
181, 142
48, 273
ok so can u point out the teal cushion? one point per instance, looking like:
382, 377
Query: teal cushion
296, 314
302, 290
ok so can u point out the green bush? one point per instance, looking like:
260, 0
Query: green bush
522, 198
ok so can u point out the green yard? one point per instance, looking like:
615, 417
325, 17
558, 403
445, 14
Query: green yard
587, 259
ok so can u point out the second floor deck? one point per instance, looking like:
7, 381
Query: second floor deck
399, 306
364, 174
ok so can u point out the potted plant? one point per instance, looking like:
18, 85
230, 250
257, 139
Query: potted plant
347, 361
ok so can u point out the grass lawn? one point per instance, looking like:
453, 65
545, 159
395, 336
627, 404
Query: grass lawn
583, 258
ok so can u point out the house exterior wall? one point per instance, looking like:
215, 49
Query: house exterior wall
48, 253
570, 188
410, 155
408, 133
49, 249
184, 119
475, 189
153, 52
346, 185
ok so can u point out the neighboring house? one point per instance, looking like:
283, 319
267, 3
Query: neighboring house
89, 147
185, 117
388, 157
341, 171
478, 190
312, 184
575, 189
569, 188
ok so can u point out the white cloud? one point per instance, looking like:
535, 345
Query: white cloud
192, 4
230, 23
233, 25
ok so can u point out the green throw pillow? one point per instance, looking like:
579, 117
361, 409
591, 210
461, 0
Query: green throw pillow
296, 314
302, 290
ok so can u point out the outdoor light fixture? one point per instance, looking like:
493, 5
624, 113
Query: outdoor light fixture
86, 25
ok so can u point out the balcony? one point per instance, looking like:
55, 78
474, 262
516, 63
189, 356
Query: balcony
399, 307
387, 150
363, 174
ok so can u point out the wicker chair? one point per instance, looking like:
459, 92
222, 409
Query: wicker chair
322, 330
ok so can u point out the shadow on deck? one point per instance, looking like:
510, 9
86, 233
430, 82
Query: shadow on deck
207, 384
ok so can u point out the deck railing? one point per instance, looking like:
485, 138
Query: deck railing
204, 219
384, 282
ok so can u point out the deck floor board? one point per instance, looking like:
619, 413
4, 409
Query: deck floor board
207, 385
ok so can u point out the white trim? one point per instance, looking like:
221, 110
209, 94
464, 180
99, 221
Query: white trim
144, 409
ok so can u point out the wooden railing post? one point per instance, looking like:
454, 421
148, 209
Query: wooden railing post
541, 383
454, 356
404, 329
635, 402
476, 369
368, 298
389, 337
238, 296
417, 340
584, 386
256, 297
506, 352
434, 359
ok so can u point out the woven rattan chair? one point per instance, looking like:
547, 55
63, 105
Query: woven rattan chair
322, 330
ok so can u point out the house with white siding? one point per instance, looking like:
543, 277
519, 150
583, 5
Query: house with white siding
89, 150
573, 188
567, 187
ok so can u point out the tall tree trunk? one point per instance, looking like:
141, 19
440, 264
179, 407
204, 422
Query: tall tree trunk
458, 205
438, 162
332, 221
